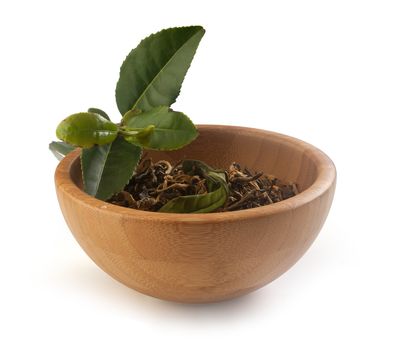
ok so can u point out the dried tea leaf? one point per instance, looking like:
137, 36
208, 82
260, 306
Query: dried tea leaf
192, 166
201, 203
192, 186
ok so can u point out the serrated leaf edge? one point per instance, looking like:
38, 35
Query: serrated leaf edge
200, 29
163, 68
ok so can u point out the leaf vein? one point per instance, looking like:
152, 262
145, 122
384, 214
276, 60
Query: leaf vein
161, 70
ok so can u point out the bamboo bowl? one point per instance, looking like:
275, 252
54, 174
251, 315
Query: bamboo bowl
201, 258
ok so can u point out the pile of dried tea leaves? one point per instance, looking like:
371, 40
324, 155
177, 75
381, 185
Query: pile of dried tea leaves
247, 190
155, 184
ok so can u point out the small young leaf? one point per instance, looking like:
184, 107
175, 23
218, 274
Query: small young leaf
86, 130
200, 203
60, 149
140, 137
99, 111
172, 130
152, 74
107, 169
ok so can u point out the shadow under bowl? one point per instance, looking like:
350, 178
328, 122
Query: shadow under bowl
214, 256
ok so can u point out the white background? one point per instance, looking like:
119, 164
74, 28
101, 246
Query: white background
321, 71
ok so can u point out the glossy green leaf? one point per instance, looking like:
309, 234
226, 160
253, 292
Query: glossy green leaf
99, 111
86, 130
172, 130
200, 203
107, 169
60, 149
152, 74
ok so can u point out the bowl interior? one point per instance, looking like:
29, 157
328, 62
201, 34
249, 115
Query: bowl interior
285, 157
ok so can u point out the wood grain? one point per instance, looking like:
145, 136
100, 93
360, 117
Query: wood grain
206, 257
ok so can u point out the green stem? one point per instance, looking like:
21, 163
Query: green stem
126, 131
129, 131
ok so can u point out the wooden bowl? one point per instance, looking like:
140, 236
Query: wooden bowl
206, 257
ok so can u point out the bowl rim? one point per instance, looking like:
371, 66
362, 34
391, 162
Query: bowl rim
326, 177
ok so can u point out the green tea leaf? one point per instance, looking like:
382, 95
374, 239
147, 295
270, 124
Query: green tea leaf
86, 130
200, 203
98, 111
107, 169
172, 130
60, 149
152, 74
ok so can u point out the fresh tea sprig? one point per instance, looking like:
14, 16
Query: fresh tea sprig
158, 129
149, 82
